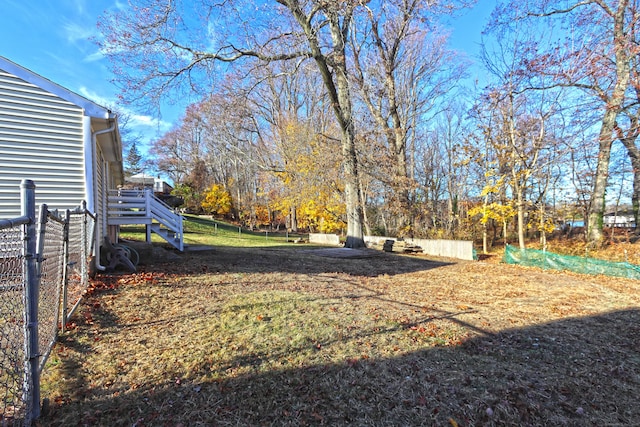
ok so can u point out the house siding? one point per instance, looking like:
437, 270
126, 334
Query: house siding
41, 138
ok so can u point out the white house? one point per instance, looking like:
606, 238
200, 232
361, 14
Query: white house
160, 186
68, 145
71, 148
619, 218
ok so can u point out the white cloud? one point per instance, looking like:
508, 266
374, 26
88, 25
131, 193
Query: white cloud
95, 56
105, 102
121, 5
146, 121
75, 32
80, 6
141, 123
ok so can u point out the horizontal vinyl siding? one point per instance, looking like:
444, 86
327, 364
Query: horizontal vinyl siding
41, 138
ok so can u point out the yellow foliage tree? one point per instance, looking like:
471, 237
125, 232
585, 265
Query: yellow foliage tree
323, 214
492, 211
311, 179
499, 212
217, 201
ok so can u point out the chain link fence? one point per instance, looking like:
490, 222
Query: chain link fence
43, 274
81, 228
12, 323
51, 272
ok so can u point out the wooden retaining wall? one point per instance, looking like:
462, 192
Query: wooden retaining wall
324, 239
460, 249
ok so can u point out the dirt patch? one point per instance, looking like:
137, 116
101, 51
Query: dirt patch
285, 336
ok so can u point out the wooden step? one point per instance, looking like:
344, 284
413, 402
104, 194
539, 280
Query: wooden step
169, 236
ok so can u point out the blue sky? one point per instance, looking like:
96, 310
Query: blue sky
54, 39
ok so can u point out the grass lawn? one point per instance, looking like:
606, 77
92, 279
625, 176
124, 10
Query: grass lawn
286, 335
201, 230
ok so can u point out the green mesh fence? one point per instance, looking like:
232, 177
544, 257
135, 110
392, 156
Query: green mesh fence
549, 260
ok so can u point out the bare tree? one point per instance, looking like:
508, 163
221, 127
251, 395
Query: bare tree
401, 70
521, 113
597, 43
156, 49
451, 135
627, 129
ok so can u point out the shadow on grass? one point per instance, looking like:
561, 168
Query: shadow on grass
580, 371
577, 371
303, 260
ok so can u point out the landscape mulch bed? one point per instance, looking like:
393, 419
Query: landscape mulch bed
282, 336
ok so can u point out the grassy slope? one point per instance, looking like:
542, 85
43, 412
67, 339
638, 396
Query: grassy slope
200, 230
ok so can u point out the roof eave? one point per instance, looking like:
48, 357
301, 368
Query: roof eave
90, 108
110, 144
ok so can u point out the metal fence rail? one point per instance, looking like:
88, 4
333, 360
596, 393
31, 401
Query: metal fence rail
43, 274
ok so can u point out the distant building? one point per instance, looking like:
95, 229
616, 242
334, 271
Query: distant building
622, 218
141, 180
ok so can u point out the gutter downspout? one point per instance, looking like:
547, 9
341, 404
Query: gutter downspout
94, 145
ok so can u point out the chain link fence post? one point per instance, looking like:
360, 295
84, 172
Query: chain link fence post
65, 273
32, 376
86, 246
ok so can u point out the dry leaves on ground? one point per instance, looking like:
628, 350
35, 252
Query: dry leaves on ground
286, 337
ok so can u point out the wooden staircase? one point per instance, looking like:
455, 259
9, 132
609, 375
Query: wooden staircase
127, 207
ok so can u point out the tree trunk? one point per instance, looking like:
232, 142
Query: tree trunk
450, 215
595, 235
494, 236
614, 104
355, 234
629, 141
402, 189
342, 108
635, 196
504, 233
335, 77
294, 219
365, 218
521, 224
485, 235
543, 232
